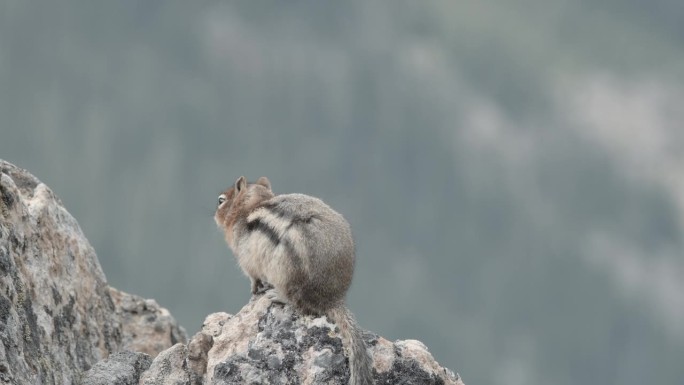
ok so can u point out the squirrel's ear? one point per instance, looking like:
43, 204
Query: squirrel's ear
240, 184
264, 182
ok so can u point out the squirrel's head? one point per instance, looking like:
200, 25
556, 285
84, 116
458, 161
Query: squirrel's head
239, 200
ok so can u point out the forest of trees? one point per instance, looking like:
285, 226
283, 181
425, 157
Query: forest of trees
510, 168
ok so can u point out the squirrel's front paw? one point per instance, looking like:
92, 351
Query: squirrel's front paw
273, 295
260, 287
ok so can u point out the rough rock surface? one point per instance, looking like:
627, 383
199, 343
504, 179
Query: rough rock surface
146, 327
170, 367
58, 316
60, 323
268, 343
120, 368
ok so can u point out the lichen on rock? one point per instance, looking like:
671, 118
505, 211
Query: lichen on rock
267, 343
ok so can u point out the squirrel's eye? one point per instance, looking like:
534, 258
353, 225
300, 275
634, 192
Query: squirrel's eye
222, 198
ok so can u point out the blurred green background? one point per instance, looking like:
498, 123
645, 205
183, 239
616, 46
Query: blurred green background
511, 169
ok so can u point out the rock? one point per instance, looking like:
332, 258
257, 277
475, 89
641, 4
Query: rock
169, 368
146, 327
60, 323
198, 347
269, 343
123, 368
58, 316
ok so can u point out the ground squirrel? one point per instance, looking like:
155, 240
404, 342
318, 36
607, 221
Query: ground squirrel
301, 250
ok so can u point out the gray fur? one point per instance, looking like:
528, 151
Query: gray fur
304, 249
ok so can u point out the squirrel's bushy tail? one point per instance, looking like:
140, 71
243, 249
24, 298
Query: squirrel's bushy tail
360, 365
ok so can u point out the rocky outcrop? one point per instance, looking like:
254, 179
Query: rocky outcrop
120, 368
60, 323
145, 326
58, 316
267, 343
